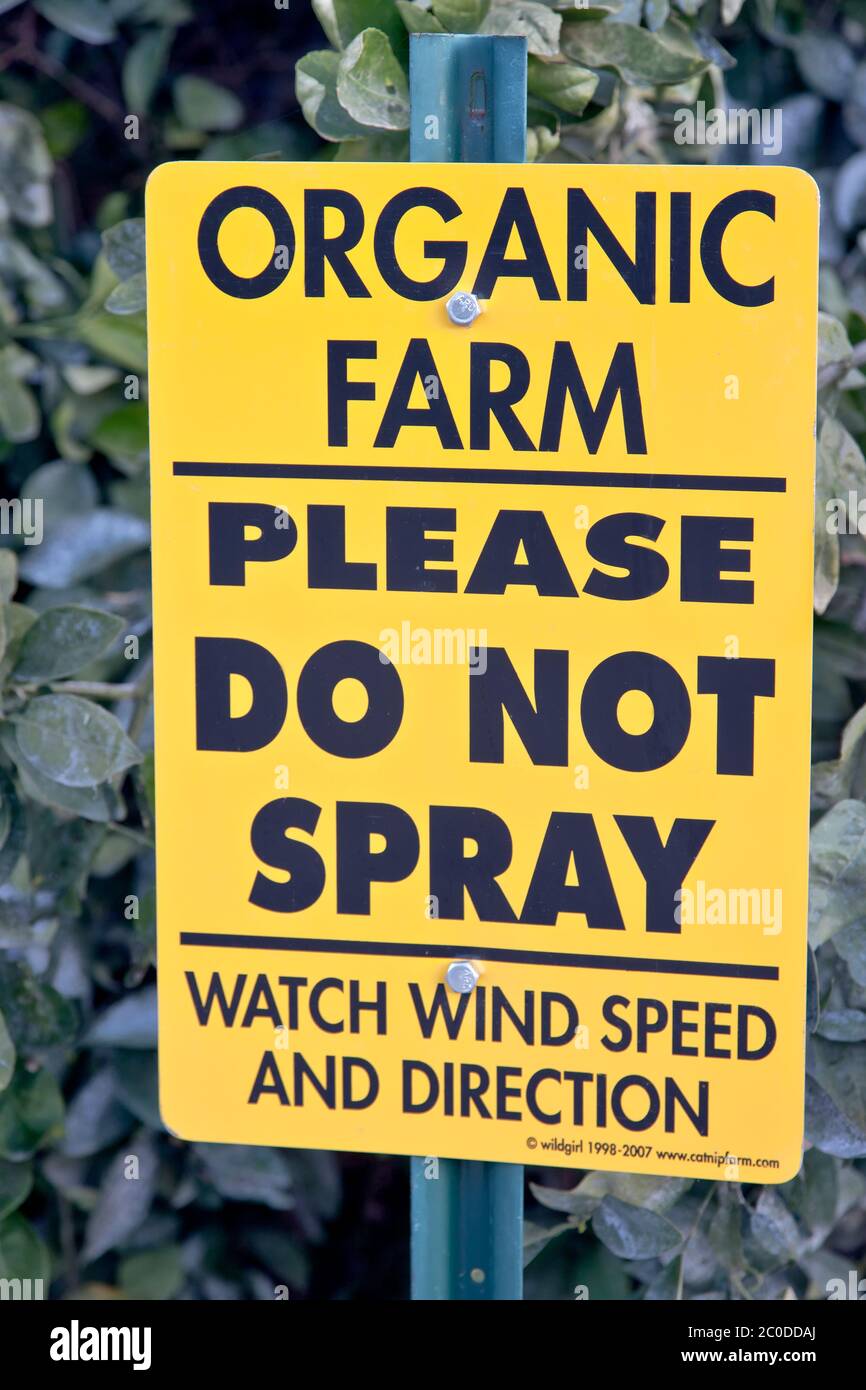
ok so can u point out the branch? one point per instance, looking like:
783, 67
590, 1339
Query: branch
100, 690
835, 371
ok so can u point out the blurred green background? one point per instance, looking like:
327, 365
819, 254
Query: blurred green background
95, 1197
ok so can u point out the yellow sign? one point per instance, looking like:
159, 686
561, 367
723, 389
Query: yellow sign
483, 658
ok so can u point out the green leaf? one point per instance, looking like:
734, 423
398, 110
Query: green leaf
37, 1016
26, 169
8, 575
73, 741
536, 1238
64, 639
102, 277
16, 1180
202, 105
638, 56
841, 652
20, 418
837, 871
95, 1119
5, 820
90, 20
827, 558
23, 1254
119, 338
418, 21
125, 1197
850, 943
827, 64
540, 141
137, 1081
123, 245
834, 344
570, 1200
843, 1025
638, 1189
460, 16
371, 85
92, 803
840, 1071
244, 1173
854, 111
565, 85
840, 469
282, 1253
31, 1114
843, 458
66, 490
316, 90
87, 379
849, 193
665, 1286
144, 67
14, 827
656, 13
773, 1226
813, 1195
146, 778
81, 546
270, 140
844, 651
632, 1233
131, 1022
536, 23
623, 11
828, 1128
343, 20
7, 1055
122, 435
129, 297
42, 291
725, 1231
383, 145
62, 852
65, 426
152, 1274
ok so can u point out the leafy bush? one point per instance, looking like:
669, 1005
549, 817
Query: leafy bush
93, 93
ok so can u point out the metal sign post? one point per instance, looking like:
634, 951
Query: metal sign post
468, 105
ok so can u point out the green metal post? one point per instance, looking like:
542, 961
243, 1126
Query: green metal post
467, 99
468, 105
467, 1229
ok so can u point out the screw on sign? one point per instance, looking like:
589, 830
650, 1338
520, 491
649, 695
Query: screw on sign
462, 976
463, 308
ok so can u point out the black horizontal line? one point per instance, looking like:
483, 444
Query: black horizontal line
649, 965
537, 477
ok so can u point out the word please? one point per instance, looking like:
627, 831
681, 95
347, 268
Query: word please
519, 549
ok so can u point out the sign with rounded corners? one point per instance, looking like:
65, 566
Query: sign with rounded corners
482, 507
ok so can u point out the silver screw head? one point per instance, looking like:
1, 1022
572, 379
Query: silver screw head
461, 976
463, 308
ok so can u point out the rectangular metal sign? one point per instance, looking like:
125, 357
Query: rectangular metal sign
483, 654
